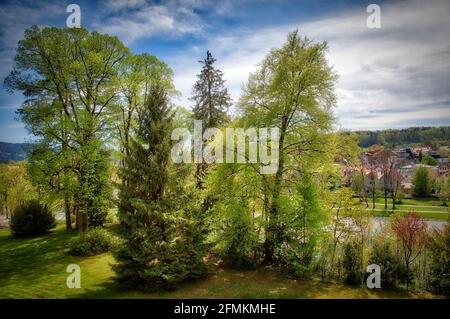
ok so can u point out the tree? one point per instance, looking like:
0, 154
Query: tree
428, 160
442, 185
157, 253
15, 187
410, 231
390, 177
49, 169
135, 77
235, 218
439, 248
293, 89
395, 184
392, 269
421, 181
210, 95
66, 76
352, 261
358, 184
211, 103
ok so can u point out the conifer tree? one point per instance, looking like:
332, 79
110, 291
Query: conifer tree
157, 251
211, 102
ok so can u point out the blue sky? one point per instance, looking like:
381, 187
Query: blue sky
392, 77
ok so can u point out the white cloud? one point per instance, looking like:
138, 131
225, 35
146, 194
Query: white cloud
137, 19
390, 76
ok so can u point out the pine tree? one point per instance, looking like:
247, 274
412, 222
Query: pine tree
210, 95
211, 103
157, 252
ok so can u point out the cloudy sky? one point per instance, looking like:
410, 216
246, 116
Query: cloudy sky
392, 77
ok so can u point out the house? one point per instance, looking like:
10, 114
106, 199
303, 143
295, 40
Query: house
443, 168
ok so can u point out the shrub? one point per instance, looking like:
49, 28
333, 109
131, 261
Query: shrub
392, 269
94, 242
31, 219
439, 248
240, 246
297, 258
352, 263
238, 240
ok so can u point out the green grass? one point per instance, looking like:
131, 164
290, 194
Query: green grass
36, 268
428, 208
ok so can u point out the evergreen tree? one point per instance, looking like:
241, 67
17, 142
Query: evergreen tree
210, 95
211, 102
421, 182
157, 252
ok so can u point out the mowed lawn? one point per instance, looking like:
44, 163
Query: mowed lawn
428, 208
36, 268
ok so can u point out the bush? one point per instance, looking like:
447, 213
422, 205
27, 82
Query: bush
238, 240
439, 248
352, 263
31, 219
240, 246
94, 242
392, 269
296, 258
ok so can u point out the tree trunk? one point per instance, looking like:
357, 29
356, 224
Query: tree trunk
67, 212
373, 200
82, 221
271, 230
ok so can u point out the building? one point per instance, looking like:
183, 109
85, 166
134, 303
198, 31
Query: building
443, 168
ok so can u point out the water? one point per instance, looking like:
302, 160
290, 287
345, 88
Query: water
431, 224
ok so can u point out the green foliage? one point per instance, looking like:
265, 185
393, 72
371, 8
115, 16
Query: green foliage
69, 104
296, 258
392, 269
94, 192
31, 219
95, 241
352, 261
210, 95
429, 160
239, 241
15, 186
411, 135
442, 188
293, 89
235, 217
421, 181
439, 250
155, 226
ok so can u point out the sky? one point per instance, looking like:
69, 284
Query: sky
394, 76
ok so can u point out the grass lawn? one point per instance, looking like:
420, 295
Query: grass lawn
429, 208
36, 268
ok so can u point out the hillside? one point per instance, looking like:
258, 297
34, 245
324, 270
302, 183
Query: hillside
13, 151
407, 136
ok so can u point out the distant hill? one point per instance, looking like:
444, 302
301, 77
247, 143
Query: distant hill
13, 151
407, 136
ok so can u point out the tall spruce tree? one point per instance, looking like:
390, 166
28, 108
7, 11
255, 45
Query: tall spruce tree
211, 102
158, 252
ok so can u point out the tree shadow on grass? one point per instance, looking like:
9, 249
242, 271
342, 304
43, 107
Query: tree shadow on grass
28, 259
